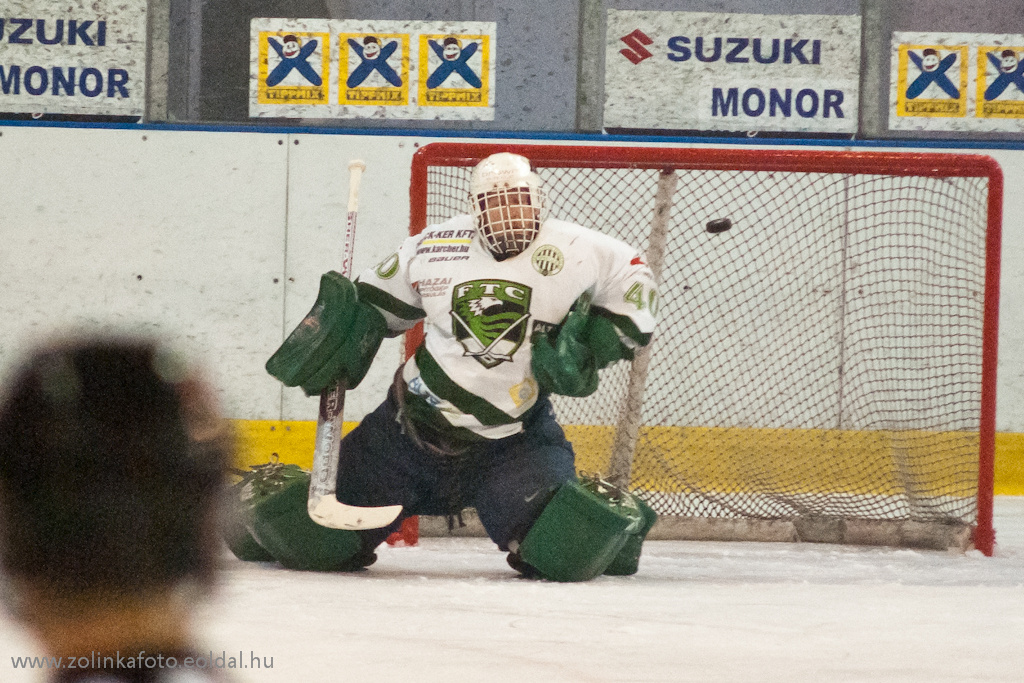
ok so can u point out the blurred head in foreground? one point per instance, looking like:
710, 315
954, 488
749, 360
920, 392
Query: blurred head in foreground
111, 462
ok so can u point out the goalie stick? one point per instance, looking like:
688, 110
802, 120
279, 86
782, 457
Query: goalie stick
323, 505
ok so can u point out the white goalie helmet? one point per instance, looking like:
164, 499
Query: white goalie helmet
509, 203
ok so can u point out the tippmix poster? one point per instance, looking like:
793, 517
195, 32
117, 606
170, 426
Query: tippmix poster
320, 68
957, 82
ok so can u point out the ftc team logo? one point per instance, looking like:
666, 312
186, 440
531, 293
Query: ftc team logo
1000, 82
374, 69
932, 80
294, 68
489, 319
454, 70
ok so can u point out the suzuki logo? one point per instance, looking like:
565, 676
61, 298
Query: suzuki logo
636, 40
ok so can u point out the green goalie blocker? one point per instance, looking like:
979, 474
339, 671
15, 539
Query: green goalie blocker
565, 360
270, 522
589, 528
336, 341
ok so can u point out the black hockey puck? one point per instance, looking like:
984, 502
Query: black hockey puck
718, 225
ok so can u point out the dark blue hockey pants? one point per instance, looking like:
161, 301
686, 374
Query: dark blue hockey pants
508, 481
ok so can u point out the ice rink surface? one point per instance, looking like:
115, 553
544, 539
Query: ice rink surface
450, 610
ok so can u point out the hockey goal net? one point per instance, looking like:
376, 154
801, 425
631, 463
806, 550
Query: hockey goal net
824, 367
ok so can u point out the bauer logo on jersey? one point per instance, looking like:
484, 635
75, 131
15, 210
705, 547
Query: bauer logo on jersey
489, 318
548, 260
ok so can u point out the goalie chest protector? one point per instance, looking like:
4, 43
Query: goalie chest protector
481, 314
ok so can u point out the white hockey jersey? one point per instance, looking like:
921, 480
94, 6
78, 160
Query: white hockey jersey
480, 314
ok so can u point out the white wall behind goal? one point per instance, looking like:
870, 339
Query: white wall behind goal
216, 240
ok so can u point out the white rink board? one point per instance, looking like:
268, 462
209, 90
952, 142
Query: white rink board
176, 235
210, 219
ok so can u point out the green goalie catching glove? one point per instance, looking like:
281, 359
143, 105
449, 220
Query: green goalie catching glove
565, 360
336, 341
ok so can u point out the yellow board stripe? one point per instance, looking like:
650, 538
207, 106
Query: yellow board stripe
258, 441
1009, 464
790, 461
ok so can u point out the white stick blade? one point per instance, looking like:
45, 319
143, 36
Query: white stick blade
327, 511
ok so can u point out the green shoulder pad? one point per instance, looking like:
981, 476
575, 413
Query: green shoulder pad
312, 343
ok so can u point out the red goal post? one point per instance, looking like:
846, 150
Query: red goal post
823, 370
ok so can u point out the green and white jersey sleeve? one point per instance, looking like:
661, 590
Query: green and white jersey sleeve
388, 288
624, 290
480, 314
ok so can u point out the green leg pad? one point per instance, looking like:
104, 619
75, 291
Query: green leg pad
578, 534
242, 544
627, 561
281, 525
